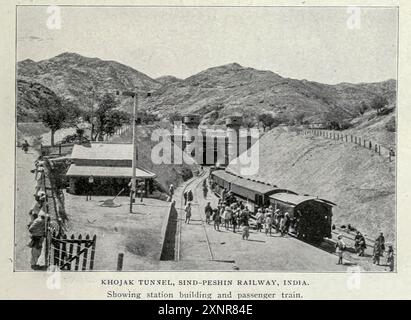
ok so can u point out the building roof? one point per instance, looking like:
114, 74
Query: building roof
295, 200
226, 176
103, 151
255, 186
100, 171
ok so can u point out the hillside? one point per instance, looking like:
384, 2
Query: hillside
70, 76
213, 93
29, 95
166, 173
359, 181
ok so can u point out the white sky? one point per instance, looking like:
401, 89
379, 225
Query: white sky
303, 43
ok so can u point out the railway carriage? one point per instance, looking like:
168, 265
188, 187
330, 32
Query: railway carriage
255, 193
223, 180
311, 216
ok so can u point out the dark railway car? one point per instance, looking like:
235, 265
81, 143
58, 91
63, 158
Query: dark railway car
311, 217
255, 193
223, 180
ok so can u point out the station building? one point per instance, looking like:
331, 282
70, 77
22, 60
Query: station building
105, 169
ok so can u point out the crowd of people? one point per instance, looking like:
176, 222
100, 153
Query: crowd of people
37, 214
360, 245
232, 214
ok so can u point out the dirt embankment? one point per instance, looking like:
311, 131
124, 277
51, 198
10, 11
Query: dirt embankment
359, 181
166, 173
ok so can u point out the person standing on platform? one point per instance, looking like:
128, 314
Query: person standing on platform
208, 212
205, 190
381, 242
390, 258
234, 218
25, 146
339, 249
185, 194
190, 195
187, 210
259, 218
217, 219
171, 191
246, 228
37, 230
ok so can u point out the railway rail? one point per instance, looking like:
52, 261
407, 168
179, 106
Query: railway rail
193, 183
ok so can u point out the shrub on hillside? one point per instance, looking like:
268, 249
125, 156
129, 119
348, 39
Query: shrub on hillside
186, 173
379, 103
390, 125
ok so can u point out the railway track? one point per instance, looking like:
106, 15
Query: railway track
193, 183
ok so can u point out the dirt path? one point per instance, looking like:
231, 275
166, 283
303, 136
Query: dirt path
24, 201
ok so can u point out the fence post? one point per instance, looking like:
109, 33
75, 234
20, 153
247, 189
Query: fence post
120, 261
379, 150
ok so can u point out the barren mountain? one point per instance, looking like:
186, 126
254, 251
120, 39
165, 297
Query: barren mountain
213, 93
73, 76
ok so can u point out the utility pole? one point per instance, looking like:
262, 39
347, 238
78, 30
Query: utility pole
93, 93
134, 160
134, 95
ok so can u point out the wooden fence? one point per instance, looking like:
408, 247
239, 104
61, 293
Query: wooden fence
73, 254
120, 131
349, 138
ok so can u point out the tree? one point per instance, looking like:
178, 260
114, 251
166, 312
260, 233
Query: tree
363, 107
108, 118
299, 117
174, 116
378, 103
269, 121
53, 115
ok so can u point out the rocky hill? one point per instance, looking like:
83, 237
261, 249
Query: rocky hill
29, 94
213, 93
72, 76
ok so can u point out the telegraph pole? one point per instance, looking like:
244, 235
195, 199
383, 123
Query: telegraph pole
134, 160
134, 95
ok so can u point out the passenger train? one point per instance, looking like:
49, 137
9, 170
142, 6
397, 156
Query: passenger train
311, 216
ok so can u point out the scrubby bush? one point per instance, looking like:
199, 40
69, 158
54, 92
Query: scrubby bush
390, 125
379, 103
186, 173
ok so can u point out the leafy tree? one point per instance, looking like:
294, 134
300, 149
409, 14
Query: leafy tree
174, 116
265, 119
147, 117
74, 113
299, 117
378, 103
108, 118
53, 115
